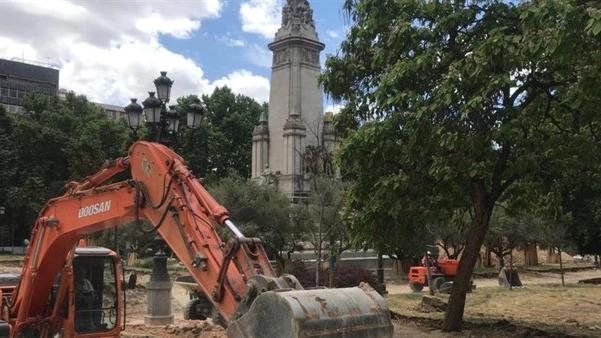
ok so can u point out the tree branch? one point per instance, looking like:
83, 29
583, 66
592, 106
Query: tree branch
553, 120
500, 166
508, 182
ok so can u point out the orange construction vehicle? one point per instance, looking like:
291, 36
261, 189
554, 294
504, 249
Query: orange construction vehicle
66, 290
441, 272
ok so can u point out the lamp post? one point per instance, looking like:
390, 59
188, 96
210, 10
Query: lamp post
2, 211
162, 120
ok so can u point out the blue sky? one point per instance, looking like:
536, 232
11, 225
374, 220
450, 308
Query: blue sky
224, 35
111, 50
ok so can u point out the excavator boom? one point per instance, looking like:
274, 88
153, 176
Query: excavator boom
235, 275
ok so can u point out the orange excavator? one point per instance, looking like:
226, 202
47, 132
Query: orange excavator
45, 300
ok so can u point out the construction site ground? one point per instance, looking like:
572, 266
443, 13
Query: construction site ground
563, 314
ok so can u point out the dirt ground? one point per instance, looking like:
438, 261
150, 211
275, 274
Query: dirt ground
404, 326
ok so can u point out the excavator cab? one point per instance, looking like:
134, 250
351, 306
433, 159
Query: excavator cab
96, 295
93, 304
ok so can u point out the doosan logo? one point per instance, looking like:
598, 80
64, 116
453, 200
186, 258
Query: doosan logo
94, 209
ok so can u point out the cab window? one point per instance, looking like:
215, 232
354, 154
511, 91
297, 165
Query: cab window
95, 296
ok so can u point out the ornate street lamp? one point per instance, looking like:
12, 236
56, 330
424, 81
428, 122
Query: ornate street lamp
172, 119
134, 116
152, 108
163, 85
164, 124
195, 114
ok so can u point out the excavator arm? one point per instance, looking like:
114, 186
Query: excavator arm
235, 275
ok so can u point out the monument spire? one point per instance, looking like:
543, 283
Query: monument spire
295, 118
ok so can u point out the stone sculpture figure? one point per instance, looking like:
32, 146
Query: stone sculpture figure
298, 9
268, 176
286, 14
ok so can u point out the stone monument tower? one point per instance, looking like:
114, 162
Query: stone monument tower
295, 118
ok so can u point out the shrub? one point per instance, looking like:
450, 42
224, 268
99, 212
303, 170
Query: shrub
344, 276
304, 275
144, 263
348, 276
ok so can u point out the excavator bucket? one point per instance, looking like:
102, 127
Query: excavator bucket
327, 313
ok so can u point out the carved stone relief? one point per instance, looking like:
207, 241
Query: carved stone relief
281, 56
310, 56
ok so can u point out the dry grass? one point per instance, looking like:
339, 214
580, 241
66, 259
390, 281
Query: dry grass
574, 309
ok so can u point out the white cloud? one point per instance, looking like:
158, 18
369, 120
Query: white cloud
333, 34
229, 41
334, 108
244, 82
127, 71
262, 17
259, 56
178, 27
110, 50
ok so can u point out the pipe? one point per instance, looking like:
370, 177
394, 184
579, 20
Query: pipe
233, 228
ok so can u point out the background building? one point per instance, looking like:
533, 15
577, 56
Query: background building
112, 112
20, 77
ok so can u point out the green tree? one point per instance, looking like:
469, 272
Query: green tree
260, 211
8, 166
324, 205
583, 201
451, 237
508, 231
449, 103
224, 139
54, 142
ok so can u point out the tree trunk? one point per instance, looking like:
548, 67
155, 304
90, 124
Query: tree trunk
429, 275
563, 282
551, 257
531, 255
319, 239
380, 268
487, 260
397, 267
453, 319
280, 266
405, 265
510, 270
